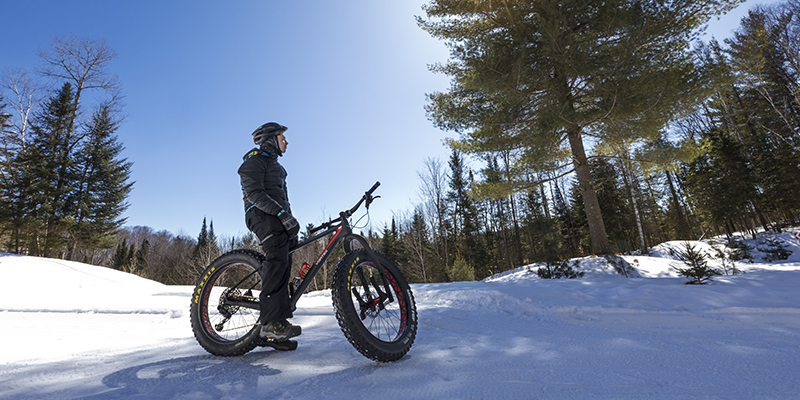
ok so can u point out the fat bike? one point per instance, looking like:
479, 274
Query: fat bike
372, 300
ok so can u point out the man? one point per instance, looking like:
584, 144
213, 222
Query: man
268, 216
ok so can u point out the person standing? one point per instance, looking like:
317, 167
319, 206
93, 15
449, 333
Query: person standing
269, 216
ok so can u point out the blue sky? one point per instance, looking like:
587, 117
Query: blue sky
348, 78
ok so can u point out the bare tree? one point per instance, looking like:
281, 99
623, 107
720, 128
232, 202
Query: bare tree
82, 62
26, 95
434, 200
415, 241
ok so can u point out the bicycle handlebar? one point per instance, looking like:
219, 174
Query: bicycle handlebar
347, 213
367, 196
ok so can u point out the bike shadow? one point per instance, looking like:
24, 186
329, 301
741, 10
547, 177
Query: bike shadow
196, 377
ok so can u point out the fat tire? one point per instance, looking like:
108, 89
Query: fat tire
207, 291
387, 343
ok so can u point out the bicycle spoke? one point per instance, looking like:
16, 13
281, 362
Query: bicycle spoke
376, 303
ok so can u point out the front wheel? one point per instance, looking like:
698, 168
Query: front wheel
225, 304
374, 306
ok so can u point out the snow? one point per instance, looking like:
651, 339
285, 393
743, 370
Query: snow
75, 331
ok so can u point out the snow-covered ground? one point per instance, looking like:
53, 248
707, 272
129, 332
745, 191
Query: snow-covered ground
74, 331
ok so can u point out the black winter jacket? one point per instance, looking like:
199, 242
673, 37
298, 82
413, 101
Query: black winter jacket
264, 183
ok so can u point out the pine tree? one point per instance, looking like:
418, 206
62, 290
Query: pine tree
534, 77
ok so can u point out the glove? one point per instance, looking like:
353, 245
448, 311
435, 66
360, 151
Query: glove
289, 223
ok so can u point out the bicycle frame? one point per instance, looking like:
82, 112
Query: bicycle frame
342, 233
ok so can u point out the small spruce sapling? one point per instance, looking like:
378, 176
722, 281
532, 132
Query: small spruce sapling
698, 271
741, 251
620, 265
775, 250
560, 269
726, 259
461, 270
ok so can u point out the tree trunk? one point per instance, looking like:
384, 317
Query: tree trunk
683, 225
597, 228
637, 215
545, 206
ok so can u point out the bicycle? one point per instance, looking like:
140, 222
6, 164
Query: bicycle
372, 300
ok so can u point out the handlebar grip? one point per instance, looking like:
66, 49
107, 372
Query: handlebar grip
375, 186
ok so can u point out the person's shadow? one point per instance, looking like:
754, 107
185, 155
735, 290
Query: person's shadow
198, 377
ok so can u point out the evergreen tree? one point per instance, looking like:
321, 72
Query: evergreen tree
141, 257
720, 181
120, 261
48, 175
614, 205
545, 232
568, 222
696, 268
760, 55
460, 270
206, 249
498, 229
14, 221
389, 245
9, 171
102, 185
416, 242
212, 238
463, 211
62, 187
457, 195
202, 238
662, 161
763, 113
535, 77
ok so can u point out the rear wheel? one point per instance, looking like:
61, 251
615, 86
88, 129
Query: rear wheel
374, 306
225, 304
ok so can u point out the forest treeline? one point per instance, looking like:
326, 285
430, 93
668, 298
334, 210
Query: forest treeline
682, 142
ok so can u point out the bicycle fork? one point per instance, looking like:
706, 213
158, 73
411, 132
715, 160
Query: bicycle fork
344, 232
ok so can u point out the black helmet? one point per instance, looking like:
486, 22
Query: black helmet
266, 131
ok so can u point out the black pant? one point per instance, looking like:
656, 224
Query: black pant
276, 269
